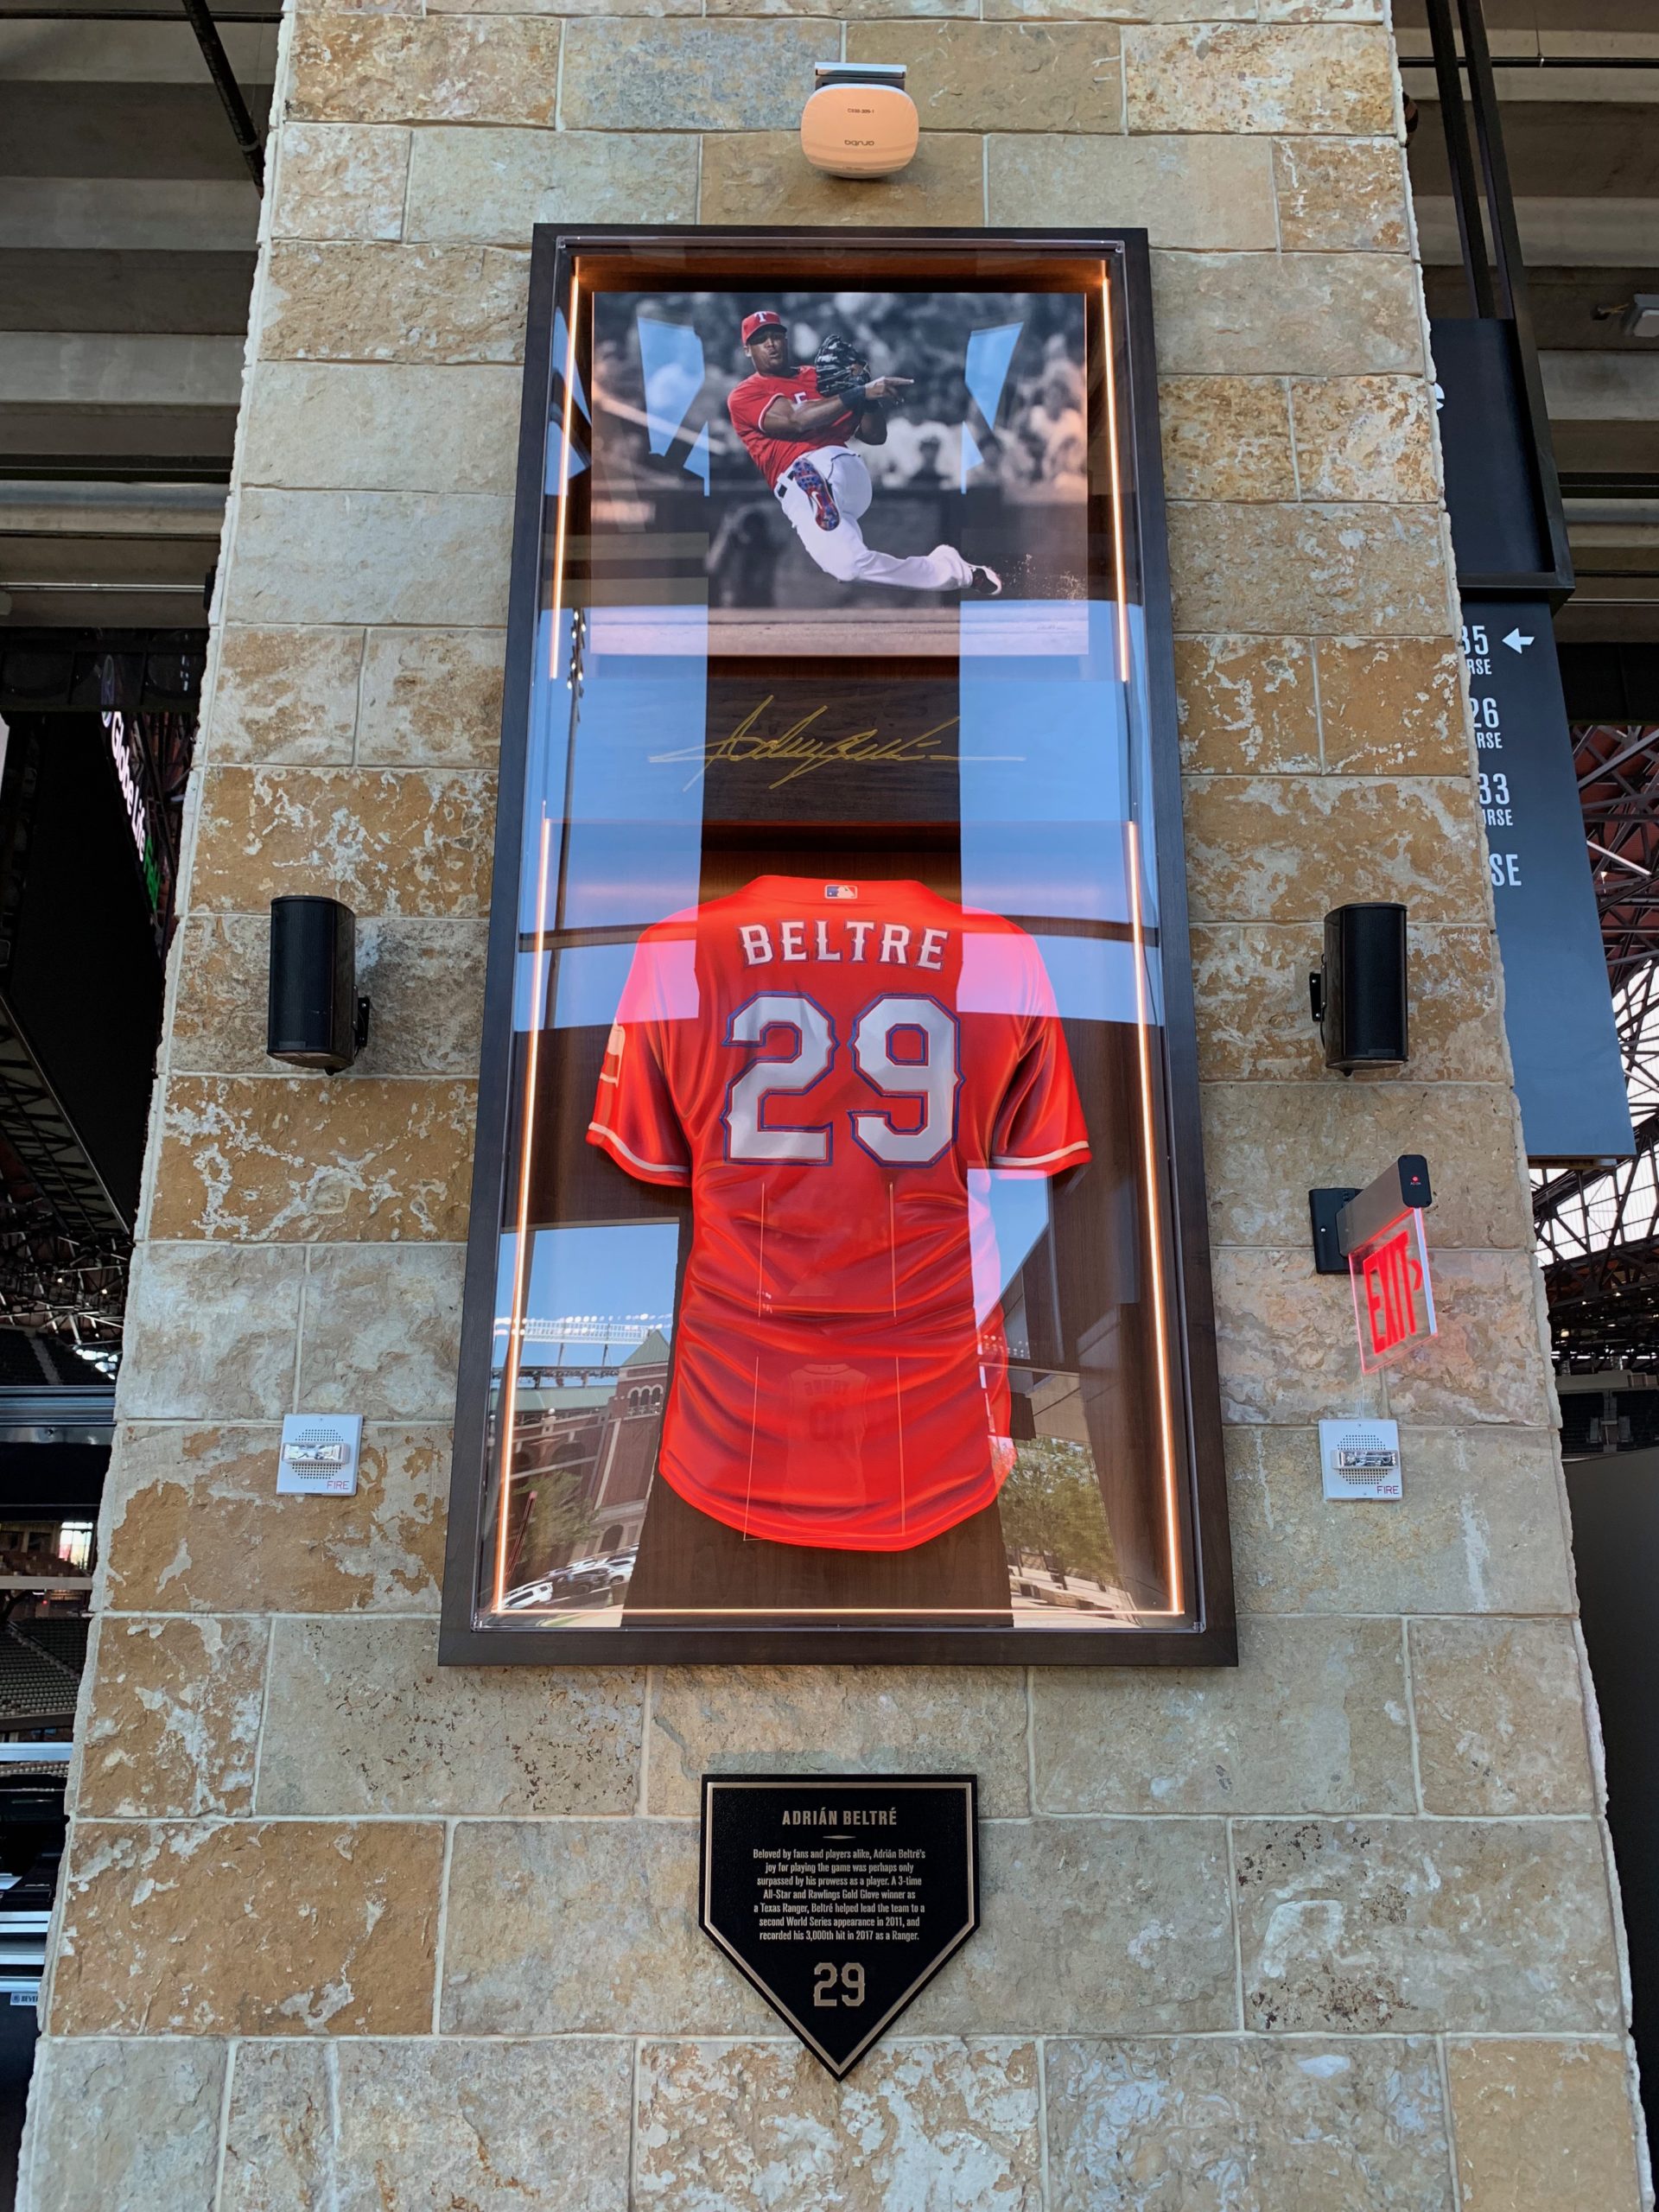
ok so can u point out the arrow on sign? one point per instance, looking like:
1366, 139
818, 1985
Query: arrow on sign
1517, 641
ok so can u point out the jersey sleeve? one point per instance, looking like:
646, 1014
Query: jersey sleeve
1039, 1125
635, 1119
745, 414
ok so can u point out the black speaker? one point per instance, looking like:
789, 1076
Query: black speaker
1359, 996
314, 1017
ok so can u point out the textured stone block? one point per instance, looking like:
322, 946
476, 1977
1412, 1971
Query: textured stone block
284, 695
1338, 568
239, 1927
424, 69
1286, 849
1234, 2125
1341, 194
429, 2127
1479, 1530
340, 180
1489, 1362
310, 425
370, 556
283, 1160
123, 2126
864, 1719
1226, 438
1127, 11
1392, 708
1365, 438
1316, 315
424, 979
1312, 1720
195, 1525
753, 2127
438, 303
405, 842
1129, 1919
173, 1728
742, 170
1248, 706
1370, 1925
1501, 1722
497, 184
585, 1926
713, 75
211, 1334
382, 1330
1250, 78
432, 698
1212, 194
362, 1718
1541, 2126
1285, 1340
1323, 11
1002, 76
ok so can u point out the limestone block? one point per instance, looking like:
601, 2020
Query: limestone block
211, 1332
243, 1927
424, 69
1286, 849
864, 1719
1489, 1363
1500, 1716
1337, 568
1365, 438
382, 1330
1267, 1145
584, 1926
423, 978
852, 10
432, 698
123, 2126
1391, 707
1235, 2124
438, 303
1130, 1920
340, 180
1316, 314
1543, 2125
742, 170
713, 75
428, 2126
1226, 438
1479, 1529
1372, 1925
329, 426
195, 1525
754, 2127
1248, 706
1341, 194
1214, 193
362, 1718
280, 1160
405, 842
1312, 1720
173, 1724
370, 556
1245, 76
1127, 11
284, 695
1285, 1339
1251, 982
1323, 11
1002, 76
497, 184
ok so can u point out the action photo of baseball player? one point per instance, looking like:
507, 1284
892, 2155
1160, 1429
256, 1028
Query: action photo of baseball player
795, 419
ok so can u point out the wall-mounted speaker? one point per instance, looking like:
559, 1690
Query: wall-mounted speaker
314, 1017
1359, 996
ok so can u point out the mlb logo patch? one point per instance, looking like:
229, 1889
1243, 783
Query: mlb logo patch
841, 891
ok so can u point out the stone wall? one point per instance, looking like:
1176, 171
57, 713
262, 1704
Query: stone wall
1335, 1930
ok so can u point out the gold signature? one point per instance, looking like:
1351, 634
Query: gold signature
808, 753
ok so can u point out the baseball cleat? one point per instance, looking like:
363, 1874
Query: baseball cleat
986, 584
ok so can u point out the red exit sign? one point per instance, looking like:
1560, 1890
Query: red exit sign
1394, 1295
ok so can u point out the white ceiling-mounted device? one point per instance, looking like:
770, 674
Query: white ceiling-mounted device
859, 121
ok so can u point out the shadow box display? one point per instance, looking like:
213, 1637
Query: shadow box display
838, 1283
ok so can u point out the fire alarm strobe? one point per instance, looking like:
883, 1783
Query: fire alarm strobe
859, 121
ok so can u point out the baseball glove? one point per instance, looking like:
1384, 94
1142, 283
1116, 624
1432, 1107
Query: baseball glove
839, 365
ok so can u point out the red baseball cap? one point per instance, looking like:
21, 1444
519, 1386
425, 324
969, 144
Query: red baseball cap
766, 319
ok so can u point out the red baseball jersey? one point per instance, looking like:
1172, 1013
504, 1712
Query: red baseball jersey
749, 402
832, 1070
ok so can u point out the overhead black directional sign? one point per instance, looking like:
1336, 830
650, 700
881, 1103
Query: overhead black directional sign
839, 1897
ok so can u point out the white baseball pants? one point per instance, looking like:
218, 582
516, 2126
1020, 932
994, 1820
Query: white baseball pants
838, 546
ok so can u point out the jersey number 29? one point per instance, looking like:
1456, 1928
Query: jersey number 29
904, 1046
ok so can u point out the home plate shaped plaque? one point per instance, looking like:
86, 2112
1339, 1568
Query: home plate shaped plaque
839, 1897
